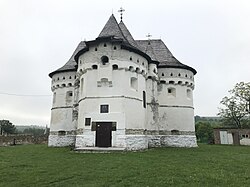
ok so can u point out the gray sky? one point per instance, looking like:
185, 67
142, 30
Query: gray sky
37, 37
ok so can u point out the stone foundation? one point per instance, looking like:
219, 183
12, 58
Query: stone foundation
172, 141
136, 142
61, 141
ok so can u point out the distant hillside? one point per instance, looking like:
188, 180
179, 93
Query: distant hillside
207, 118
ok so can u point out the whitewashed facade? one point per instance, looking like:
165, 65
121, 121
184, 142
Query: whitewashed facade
123, 93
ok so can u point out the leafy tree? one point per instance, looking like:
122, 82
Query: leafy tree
236, 106
204, 132
7, 127
34, 131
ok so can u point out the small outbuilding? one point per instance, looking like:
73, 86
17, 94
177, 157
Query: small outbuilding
232, 136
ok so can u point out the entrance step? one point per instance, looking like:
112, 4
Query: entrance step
99, 149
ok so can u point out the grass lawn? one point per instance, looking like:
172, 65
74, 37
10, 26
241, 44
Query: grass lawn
208, 165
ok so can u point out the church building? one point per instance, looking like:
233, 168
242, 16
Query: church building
122, 93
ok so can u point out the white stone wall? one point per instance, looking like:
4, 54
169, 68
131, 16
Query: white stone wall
61, 141
172, 141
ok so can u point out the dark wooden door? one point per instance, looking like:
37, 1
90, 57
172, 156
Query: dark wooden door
103, 134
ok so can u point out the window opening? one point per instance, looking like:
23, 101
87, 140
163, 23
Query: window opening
104, 109
104, 60
115, 67
87, 121
144, 99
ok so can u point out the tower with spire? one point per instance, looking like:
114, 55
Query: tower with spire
122, 93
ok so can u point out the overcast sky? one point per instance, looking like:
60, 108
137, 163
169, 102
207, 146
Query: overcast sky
39, 36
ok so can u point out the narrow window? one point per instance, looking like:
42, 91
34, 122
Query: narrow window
105, 45
171, 74
154, 71
162, 74
115, 67
104, 109
186, 75
63, 78
94, 67
189, 93
131, 58
87, 121
63, 85
138, 60
58, 78
104, 60
134, 83
179, 74
80, 62
69, 77
144, 99
171, 82
82, 84
114, 47
54, 97
96, 49
180, 82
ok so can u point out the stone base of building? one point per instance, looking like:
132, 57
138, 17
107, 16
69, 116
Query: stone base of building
128, 142
61, 141
172, 141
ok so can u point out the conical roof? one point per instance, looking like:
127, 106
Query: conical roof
111, 28
71, 63
127, 34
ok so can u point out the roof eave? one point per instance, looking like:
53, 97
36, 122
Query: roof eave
179, 67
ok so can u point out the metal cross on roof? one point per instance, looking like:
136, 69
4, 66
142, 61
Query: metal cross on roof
149, 36
121, 12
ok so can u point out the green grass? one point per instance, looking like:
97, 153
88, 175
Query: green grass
208, 165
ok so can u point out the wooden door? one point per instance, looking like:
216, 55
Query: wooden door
103, 134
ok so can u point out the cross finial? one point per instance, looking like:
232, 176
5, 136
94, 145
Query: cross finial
149, 36
121, 12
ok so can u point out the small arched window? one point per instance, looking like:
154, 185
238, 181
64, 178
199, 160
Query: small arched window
63, 85
180, 82
131, 68
70, 84
94, 66
96, 49
171, 74
114, 47
179, 74
104, 45
104, 60
63, 78
171, 92
115, 67
137, 70
154, 71
138, 60
69, 77
171, 82
162, 74
131, 58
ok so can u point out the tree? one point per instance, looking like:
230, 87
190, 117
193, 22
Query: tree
237, 105
204, 132
7, 127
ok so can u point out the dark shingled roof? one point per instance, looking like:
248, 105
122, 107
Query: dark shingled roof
71, 64
127, 34
162, 54
154, 50
111, 28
